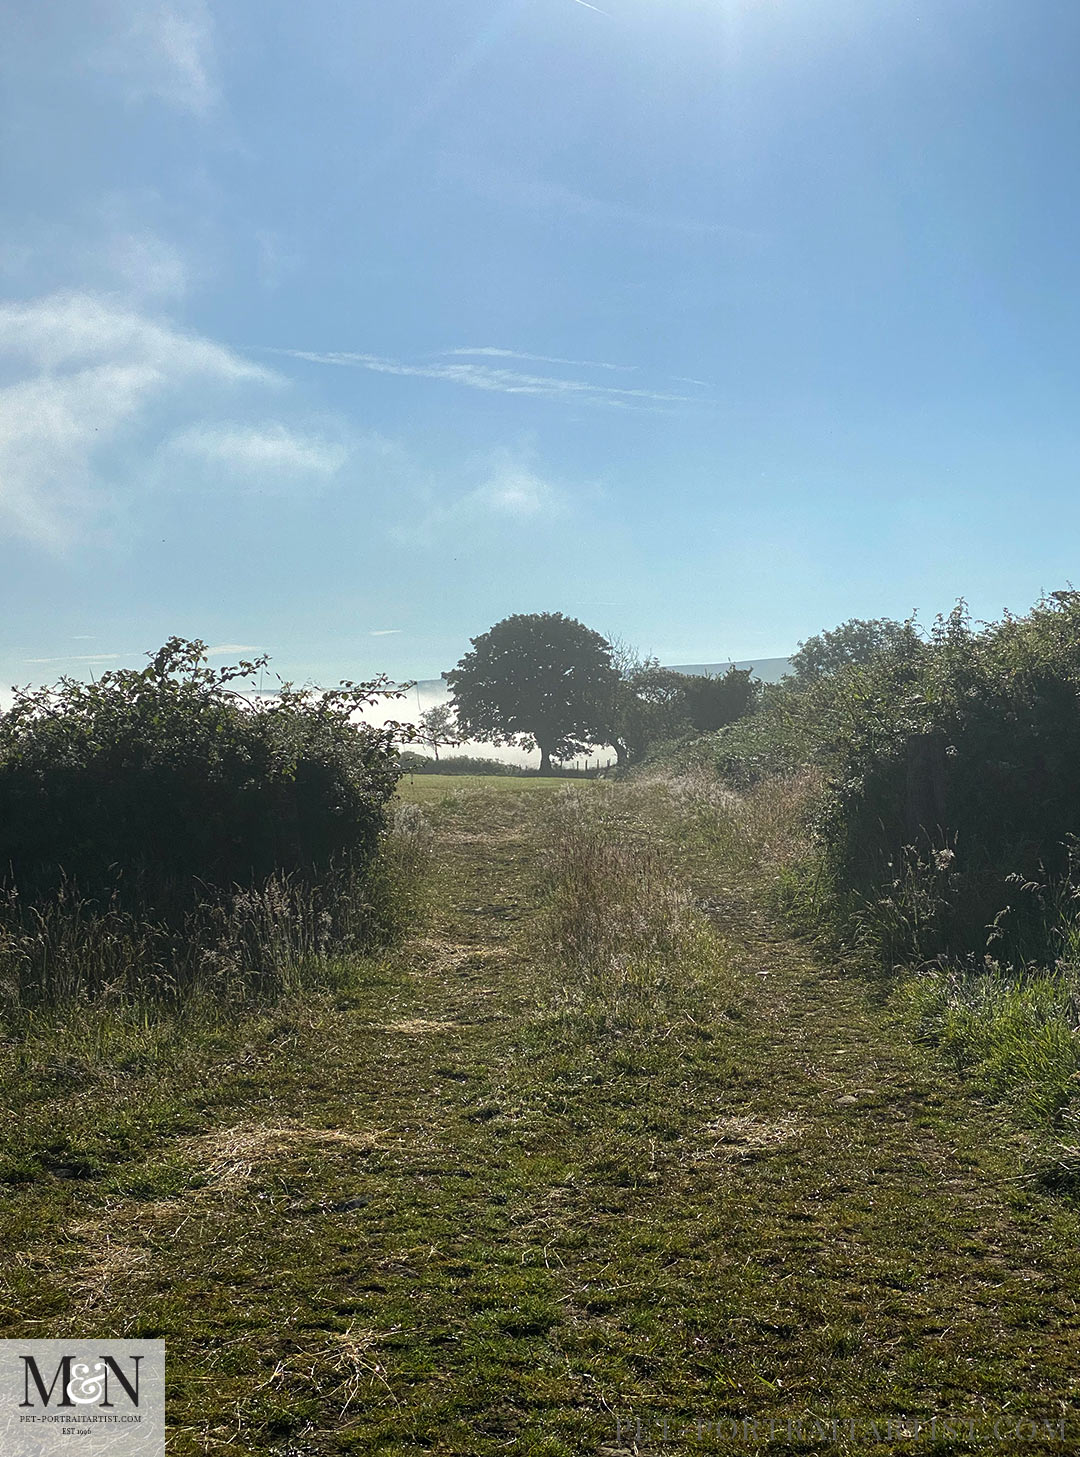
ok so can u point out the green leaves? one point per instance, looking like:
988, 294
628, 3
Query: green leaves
537, 678
156, 783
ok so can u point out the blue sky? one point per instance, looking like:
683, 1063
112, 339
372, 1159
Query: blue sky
343, 330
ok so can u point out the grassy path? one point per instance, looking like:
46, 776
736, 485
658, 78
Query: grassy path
436, 1212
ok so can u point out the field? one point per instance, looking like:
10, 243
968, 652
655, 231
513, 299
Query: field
435, 788
601, 1160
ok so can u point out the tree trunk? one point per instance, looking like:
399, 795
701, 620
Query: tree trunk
545, 760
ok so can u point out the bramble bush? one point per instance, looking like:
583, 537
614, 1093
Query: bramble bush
151, 798
998, 706
977, 865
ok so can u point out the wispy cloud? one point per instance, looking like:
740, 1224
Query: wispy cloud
386, 632
78, 658
271, 449
163, 50
511, 494
536, 194
85, 372
488, 352
230, 649
109, 249
495, 380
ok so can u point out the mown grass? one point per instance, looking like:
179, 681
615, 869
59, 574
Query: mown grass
436, 788
600, 1146
1013, 1034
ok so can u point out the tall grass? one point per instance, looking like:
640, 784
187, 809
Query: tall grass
630, 946
1013, 1034
762, 832
253, 944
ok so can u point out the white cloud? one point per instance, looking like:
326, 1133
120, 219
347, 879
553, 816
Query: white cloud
386, 632
66, 330
497, 380
163, 50
230, 649
259, 451
511, 494
488, 352
83, 372
80, 658
146, 266
48, 430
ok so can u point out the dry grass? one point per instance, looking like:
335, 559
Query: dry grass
122, 1244
759, 831
229, 1158
419, 1027
741, 1137
622, 928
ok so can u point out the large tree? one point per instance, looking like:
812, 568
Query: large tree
540, 679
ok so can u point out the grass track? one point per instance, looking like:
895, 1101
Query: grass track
429, 1214
437, 788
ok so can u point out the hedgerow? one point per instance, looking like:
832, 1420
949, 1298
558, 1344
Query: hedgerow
951, 773
140, 810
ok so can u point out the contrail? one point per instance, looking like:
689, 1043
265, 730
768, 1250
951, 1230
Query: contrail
489, 352
594, 7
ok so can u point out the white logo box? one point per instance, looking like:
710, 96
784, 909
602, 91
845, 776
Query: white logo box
60, 1398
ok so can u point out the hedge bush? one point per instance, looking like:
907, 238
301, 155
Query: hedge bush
155, 787
951, 803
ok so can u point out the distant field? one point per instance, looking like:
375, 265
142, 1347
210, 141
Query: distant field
432, 788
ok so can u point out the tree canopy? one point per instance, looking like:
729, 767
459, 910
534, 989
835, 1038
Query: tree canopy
712, 702
654, 703
852, 643
648, 706
436, 728
540, 679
